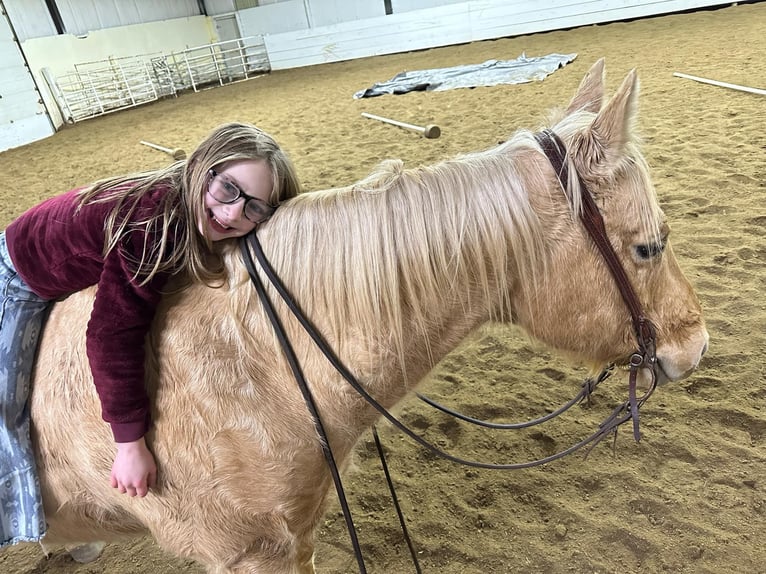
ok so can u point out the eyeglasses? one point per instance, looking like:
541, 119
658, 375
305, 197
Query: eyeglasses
224, 191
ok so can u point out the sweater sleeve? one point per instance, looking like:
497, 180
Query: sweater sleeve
122, 314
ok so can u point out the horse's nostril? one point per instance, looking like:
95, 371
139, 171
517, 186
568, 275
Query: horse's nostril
704, 349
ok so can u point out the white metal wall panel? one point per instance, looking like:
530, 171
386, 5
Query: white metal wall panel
494, 19
374, 36
83, 16
23, 118
216, 7
275, 18
453, 24
399, 6
291, 15
30, 18
328, 12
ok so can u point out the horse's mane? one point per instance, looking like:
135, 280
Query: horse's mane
403, 242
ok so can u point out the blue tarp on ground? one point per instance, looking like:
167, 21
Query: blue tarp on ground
490, 73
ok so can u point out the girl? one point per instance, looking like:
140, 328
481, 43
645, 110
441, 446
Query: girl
127, 235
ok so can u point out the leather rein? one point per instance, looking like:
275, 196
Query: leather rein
643, 357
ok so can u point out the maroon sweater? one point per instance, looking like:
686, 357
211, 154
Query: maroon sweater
57, 252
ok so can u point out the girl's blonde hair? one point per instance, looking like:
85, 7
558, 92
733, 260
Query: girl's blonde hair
172, 241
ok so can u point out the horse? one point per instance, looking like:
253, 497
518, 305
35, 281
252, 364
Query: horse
394, 271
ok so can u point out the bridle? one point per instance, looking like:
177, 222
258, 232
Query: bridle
646, 354
643, 358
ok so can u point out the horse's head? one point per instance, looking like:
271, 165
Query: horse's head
578, 308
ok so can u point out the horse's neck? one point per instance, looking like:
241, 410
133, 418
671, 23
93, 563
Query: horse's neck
395, 278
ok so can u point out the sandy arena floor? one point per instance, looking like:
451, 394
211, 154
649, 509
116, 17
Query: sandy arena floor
691, 497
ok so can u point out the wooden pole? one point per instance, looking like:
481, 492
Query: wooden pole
176, 153
721, 84
430, 131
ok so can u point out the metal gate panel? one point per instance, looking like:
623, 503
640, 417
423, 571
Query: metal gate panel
104, 86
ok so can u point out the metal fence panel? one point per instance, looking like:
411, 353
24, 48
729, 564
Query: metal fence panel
101, 87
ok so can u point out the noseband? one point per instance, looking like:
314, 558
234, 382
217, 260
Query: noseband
645, 357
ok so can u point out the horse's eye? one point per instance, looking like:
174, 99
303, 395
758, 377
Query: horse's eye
649, 250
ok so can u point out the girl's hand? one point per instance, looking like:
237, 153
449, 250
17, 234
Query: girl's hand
134, 471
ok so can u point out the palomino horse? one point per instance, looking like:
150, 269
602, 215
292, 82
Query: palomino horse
394, 271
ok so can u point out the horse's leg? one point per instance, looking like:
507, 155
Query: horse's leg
86, 553
262, 543
258, 565
302, 562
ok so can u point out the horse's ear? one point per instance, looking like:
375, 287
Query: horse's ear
590, 94
598, 149
612, 125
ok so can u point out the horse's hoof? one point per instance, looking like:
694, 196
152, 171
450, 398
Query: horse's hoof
85, 553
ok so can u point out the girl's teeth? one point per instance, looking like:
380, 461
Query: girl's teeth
221, 224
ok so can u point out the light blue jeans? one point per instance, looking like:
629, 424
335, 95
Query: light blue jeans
22, 315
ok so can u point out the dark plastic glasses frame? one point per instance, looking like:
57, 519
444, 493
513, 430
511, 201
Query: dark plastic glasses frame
260, 210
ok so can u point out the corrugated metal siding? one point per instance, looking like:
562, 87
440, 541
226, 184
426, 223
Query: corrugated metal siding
451, 24
494, 19
31, 18
215, 7
82, 16
245, 4
370, 37
399, 6
23, 118
274, 18
327, 12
